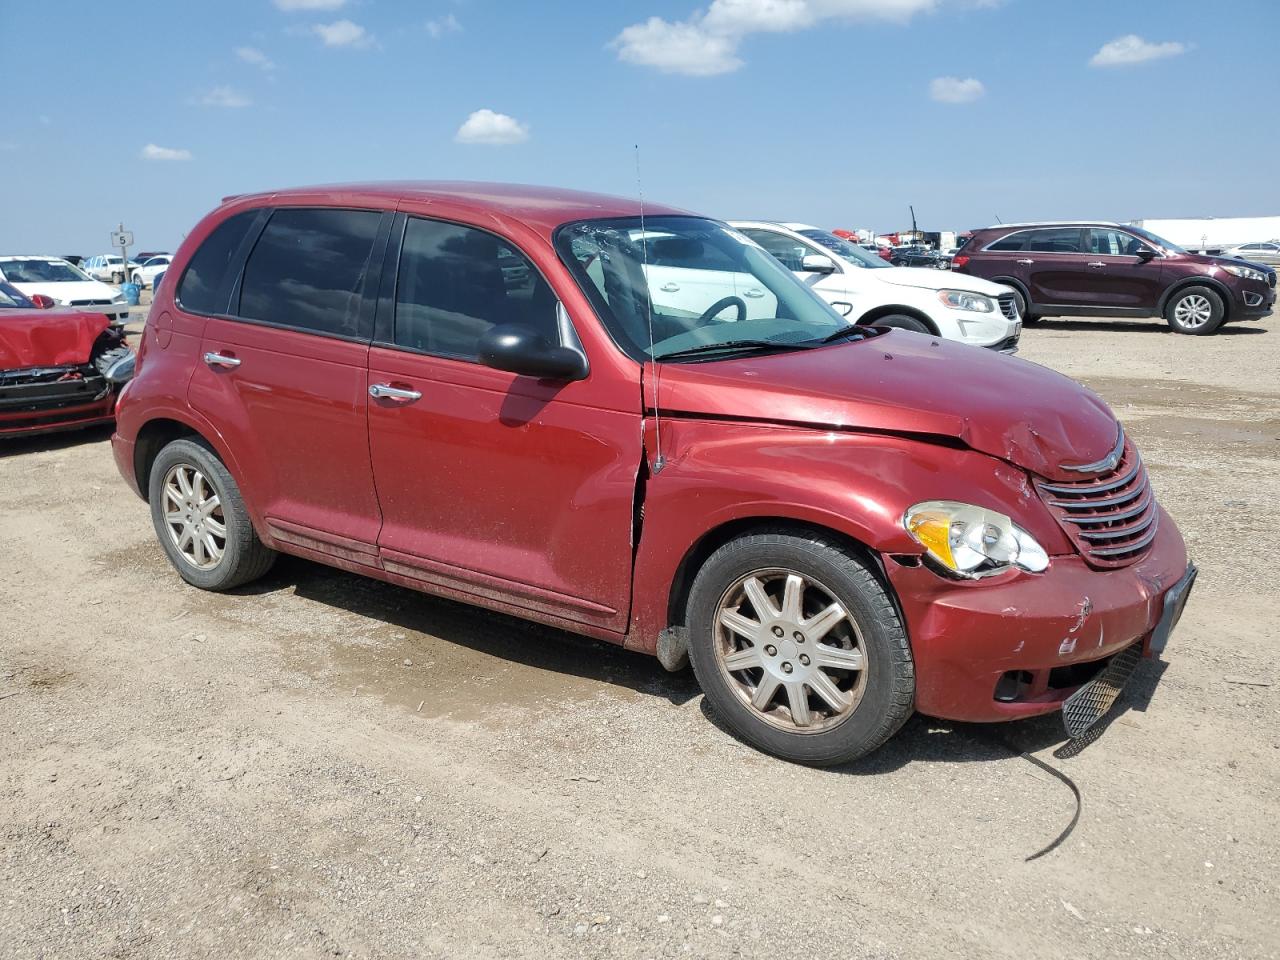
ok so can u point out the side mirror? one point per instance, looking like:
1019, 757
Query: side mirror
42, 301
1145, 254
817, 263
521, 351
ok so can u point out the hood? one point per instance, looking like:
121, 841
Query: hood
929, 279
69, 290
48, 338
908, 383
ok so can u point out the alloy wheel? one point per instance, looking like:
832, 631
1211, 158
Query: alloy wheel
1193, 311
790, 650
193, 516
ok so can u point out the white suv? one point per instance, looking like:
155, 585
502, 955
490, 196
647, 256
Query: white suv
107, 268
868, 290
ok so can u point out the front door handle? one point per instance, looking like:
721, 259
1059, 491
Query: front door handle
1025, 262
384, 391
753, 294
1097, 263
214, 359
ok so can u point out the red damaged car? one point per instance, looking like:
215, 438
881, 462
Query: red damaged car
59, 369
651, 433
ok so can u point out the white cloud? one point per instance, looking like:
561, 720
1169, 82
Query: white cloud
706, 43
309, 4
224, 97
256, 57
1131, 49
152, 152
342, 33
442, 25
495, 129
676, 48
956, 90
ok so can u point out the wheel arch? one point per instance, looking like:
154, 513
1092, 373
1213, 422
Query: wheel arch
161, 430
1217, 286
889, 309
1017, 285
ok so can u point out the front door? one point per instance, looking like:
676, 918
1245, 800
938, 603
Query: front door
1119, 278
284, 381
493, 485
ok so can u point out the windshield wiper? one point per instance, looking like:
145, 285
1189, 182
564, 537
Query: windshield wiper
848, 331
743, 346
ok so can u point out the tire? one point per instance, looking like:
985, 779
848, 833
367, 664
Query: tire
1197, 311
1023, 311
901, 321
137, 278
243, 556
107, 359
876, 696
117, 278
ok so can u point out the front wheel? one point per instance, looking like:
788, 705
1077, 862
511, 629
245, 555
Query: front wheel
798, 647
201, 519
1197, 311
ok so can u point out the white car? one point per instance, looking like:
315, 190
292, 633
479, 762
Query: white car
145, 275
1265, 251
107, 268
681, 284
64, 284
868, 290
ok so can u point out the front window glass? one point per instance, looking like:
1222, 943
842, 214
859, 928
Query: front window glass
1160, 242
40, 271
846, 251
10, 297
456, 282
727, 290
1109, 242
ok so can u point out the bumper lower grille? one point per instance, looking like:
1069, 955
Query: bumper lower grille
1008, 305
1112, 517
1091, 702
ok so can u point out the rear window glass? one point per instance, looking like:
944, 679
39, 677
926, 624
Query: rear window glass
1015, 241
308, 270
198, 290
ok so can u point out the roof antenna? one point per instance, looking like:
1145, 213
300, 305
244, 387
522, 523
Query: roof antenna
658, 461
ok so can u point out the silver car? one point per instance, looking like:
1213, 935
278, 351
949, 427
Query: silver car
1266, 251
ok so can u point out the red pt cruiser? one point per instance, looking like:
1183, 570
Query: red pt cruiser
475, 391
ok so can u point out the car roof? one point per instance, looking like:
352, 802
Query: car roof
1056, 223
544, 208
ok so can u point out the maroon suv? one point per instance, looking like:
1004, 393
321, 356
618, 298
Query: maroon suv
1109, 270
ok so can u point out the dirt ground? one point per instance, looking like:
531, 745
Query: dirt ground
323, 766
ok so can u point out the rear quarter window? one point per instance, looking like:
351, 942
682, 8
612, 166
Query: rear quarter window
198, 290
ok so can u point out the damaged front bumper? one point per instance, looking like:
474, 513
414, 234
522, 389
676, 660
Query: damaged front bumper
46, 399
1019, 644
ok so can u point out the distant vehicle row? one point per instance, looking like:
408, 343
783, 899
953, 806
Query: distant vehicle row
61, 284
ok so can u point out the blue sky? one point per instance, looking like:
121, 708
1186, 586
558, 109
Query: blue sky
837, 112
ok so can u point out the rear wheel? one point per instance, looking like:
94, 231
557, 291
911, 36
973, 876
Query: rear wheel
201, 519
1195, 310
901, 321
799, 649
117, 278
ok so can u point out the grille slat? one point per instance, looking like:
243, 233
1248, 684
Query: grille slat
1008, 306
1110, 517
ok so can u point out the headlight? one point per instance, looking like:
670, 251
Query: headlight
963, 300
1245, 273
972, 541
119, 298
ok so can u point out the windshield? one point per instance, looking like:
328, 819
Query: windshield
40, 271
698, 282
1161, 242
11, 297
849, 252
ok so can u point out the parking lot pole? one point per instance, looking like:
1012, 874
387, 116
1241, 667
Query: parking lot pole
124, 256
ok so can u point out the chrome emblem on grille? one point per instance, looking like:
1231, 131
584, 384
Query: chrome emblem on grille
1105, 465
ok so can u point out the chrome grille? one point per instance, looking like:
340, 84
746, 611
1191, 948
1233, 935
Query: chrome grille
1112, 517
90, 303
1008, 306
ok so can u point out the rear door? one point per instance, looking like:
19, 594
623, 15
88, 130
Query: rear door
1117, 277
283, 376
493, 485
1055, 266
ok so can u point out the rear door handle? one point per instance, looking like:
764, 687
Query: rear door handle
669, 287
1026, 262
753, 294
220, 360
1097, 263
384, 391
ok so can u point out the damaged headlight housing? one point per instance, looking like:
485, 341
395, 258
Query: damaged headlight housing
973, 541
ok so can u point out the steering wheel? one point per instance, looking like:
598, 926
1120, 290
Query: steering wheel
709, 314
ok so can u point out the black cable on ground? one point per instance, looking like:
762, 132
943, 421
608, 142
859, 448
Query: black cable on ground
1052, 771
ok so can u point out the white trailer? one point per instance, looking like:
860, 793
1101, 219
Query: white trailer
1213, 233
